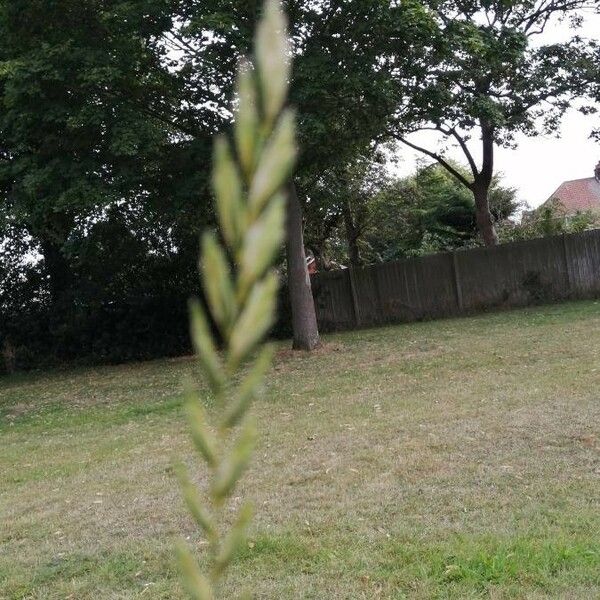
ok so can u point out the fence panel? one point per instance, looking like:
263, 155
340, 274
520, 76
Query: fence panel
436, 285
364, 282
442, 285
514, 274
399, 291
583, 251
333, 301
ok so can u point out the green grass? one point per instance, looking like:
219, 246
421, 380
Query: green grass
448, 459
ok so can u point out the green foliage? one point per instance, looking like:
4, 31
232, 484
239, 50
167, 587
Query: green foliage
108, 109
430, 212
339, 208
427, 212
547, 220
76, 132
504, 79
480, 79
241, 293
96, 181
93, 181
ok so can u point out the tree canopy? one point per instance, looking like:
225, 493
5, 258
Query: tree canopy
107, 113
107, 110
484, 78
361, 214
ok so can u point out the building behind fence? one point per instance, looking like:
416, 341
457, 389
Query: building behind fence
466, 281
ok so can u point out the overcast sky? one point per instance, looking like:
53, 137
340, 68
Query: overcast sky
539, 165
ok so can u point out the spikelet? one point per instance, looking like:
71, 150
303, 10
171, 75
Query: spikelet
240, 296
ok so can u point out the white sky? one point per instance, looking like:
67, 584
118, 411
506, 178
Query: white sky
538, 165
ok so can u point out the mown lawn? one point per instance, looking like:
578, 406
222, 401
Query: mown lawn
448, 459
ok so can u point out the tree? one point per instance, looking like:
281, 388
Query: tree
341, 95
108, 108
591, 67
82, 118
429, 211
341, 86
339, 207
304, 320
481, 79
548, 219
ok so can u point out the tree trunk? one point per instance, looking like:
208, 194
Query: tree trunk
485, 222
304, 319
352, 235
481, 186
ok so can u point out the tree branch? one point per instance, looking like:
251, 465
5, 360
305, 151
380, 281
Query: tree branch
466, 152
438, 158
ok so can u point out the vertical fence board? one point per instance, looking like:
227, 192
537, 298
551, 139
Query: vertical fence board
584, 250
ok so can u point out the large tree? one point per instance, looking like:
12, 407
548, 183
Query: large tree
107, 109
83, 118
483, 78
344, 55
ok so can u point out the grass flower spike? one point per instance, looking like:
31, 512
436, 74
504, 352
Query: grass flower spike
240, 287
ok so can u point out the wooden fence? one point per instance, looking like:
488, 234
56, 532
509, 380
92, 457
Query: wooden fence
466, 281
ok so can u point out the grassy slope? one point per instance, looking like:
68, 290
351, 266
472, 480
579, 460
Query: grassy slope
450, 459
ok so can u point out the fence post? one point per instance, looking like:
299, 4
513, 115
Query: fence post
354, 296
457, 285
567, 265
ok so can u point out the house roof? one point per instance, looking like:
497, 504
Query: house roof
578, 195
